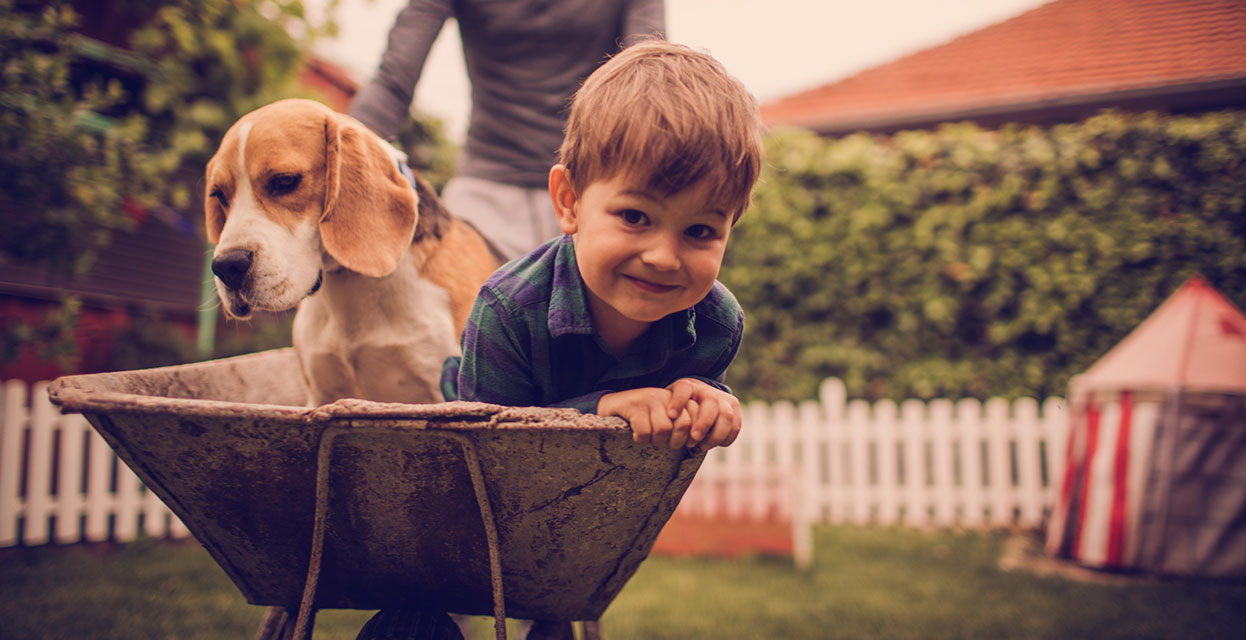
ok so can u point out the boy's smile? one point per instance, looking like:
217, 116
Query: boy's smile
651, 287
643, 256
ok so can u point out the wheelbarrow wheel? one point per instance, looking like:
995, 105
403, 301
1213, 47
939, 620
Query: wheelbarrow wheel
410, 624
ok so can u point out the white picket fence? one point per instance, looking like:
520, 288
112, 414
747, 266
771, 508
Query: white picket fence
60, 482
940, 463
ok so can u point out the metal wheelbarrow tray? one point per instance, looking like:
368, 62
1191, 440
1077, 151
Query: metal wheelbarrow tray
367, 505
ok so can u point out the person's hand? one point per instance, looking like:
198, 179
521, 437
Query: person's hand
715, 414
646, 409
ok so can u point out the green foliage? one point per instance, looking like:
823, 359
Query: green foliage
108, 108
127, 105
968, 262
91, 127
428, 150
63, 166
147, 342
52, 338
262, 332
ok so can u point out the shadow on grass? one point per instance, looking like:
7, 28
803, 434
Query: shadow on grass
865, 583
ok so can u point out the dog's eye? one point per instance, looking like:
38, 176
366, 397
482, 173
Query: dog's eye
220, 197
283, 183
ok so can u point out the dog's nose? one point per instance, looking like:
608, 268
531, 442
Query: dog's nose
232, 266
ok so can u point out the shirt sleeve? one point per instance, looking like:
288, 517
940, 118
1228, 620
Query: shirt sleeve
586, 403
384, 104
644, 19
450, 378
495, 366
716, 374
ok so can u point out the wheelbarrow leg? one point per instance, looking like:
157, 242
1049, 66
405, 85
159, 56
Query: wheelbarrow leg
592, 630
277, 624
272, 623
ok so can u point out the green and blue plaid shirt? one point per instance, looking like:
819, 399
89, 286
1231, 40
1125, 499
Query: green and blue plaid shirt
530, 340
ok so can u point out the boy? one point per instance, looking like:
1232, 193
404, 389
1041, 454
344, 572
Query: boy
623, 315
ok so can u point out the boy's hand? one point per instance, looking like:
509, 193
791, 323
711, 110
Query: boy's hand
646, 410
716, 414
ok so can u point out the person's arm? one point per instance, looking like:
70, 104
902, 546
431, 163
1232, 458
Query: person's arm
694, 411
586, 403
643, 19
716, 413
716, 373
384, 104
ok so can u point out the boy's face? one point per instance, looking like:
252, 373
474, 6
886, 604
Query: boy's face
642, 255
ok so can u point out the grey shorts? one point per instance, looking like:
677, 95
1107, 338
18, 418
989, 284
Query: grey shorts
513, 219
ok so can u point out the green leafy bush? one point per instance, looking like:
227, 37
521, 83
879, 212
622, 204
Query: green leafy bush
972, 262
110, 108
63, 168
115, 111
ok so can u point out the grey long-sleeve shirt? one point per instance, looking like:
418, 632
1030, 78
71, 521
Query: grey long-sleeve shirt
525, 59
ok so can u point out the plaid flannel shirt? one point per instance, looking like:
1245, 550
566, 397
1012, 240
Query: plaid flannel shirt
530, 340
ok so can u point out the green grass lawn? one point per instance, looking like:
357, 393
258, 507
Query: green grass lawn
865, 583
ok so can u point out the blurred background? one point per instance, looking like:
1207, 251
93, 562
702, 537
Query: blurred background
964, 201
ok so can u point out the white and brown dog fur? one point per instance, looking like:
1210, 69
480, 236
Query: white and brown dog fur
308, 207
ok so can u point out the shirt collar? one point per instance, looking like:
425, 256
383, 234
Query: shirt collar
569, 314
568, 308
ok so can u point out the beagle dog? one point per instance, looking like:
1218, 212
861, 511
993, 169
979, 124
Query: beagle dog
308, 207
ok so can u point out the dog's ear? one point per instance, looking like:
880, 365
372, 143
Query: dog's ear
213, 215
369, 207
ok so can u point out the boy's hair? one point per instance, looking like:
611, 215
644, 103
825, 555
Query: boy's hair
670, 115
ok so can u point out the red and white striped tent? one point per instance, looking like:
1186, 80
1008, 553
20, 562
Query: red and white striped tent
1155, 473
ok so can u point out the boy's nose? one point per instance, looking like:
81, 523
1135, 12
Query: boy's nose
662, 253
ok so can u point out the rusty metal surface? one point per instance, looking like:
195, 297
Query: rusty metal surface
228, 448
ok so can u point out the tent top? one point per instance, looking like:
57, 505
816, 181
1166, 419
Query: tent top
1195, 341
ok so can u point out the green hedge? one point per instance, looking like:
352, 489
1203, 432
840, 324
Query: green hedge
972, 262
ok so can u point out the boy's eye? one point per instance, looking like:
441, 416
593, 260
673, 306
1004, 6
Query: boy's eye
699, 232
633, 217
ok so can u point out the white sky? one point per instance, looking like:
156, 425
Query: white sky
775, 47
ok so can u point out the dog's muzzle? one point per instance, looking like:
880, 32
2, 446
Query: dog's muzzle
240, 291
232, 267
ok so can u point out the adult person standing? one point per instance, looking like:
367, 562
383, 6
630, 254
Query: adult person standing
525, 59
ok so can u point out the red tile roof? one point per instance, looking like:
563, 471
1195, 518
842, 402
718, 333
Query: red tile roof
1062, 53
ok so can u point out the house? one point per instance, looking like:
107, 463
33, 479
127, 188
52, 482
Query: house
1059, 62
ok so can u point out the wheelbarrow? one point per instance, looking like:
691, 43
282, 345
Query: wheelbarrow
470, 508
